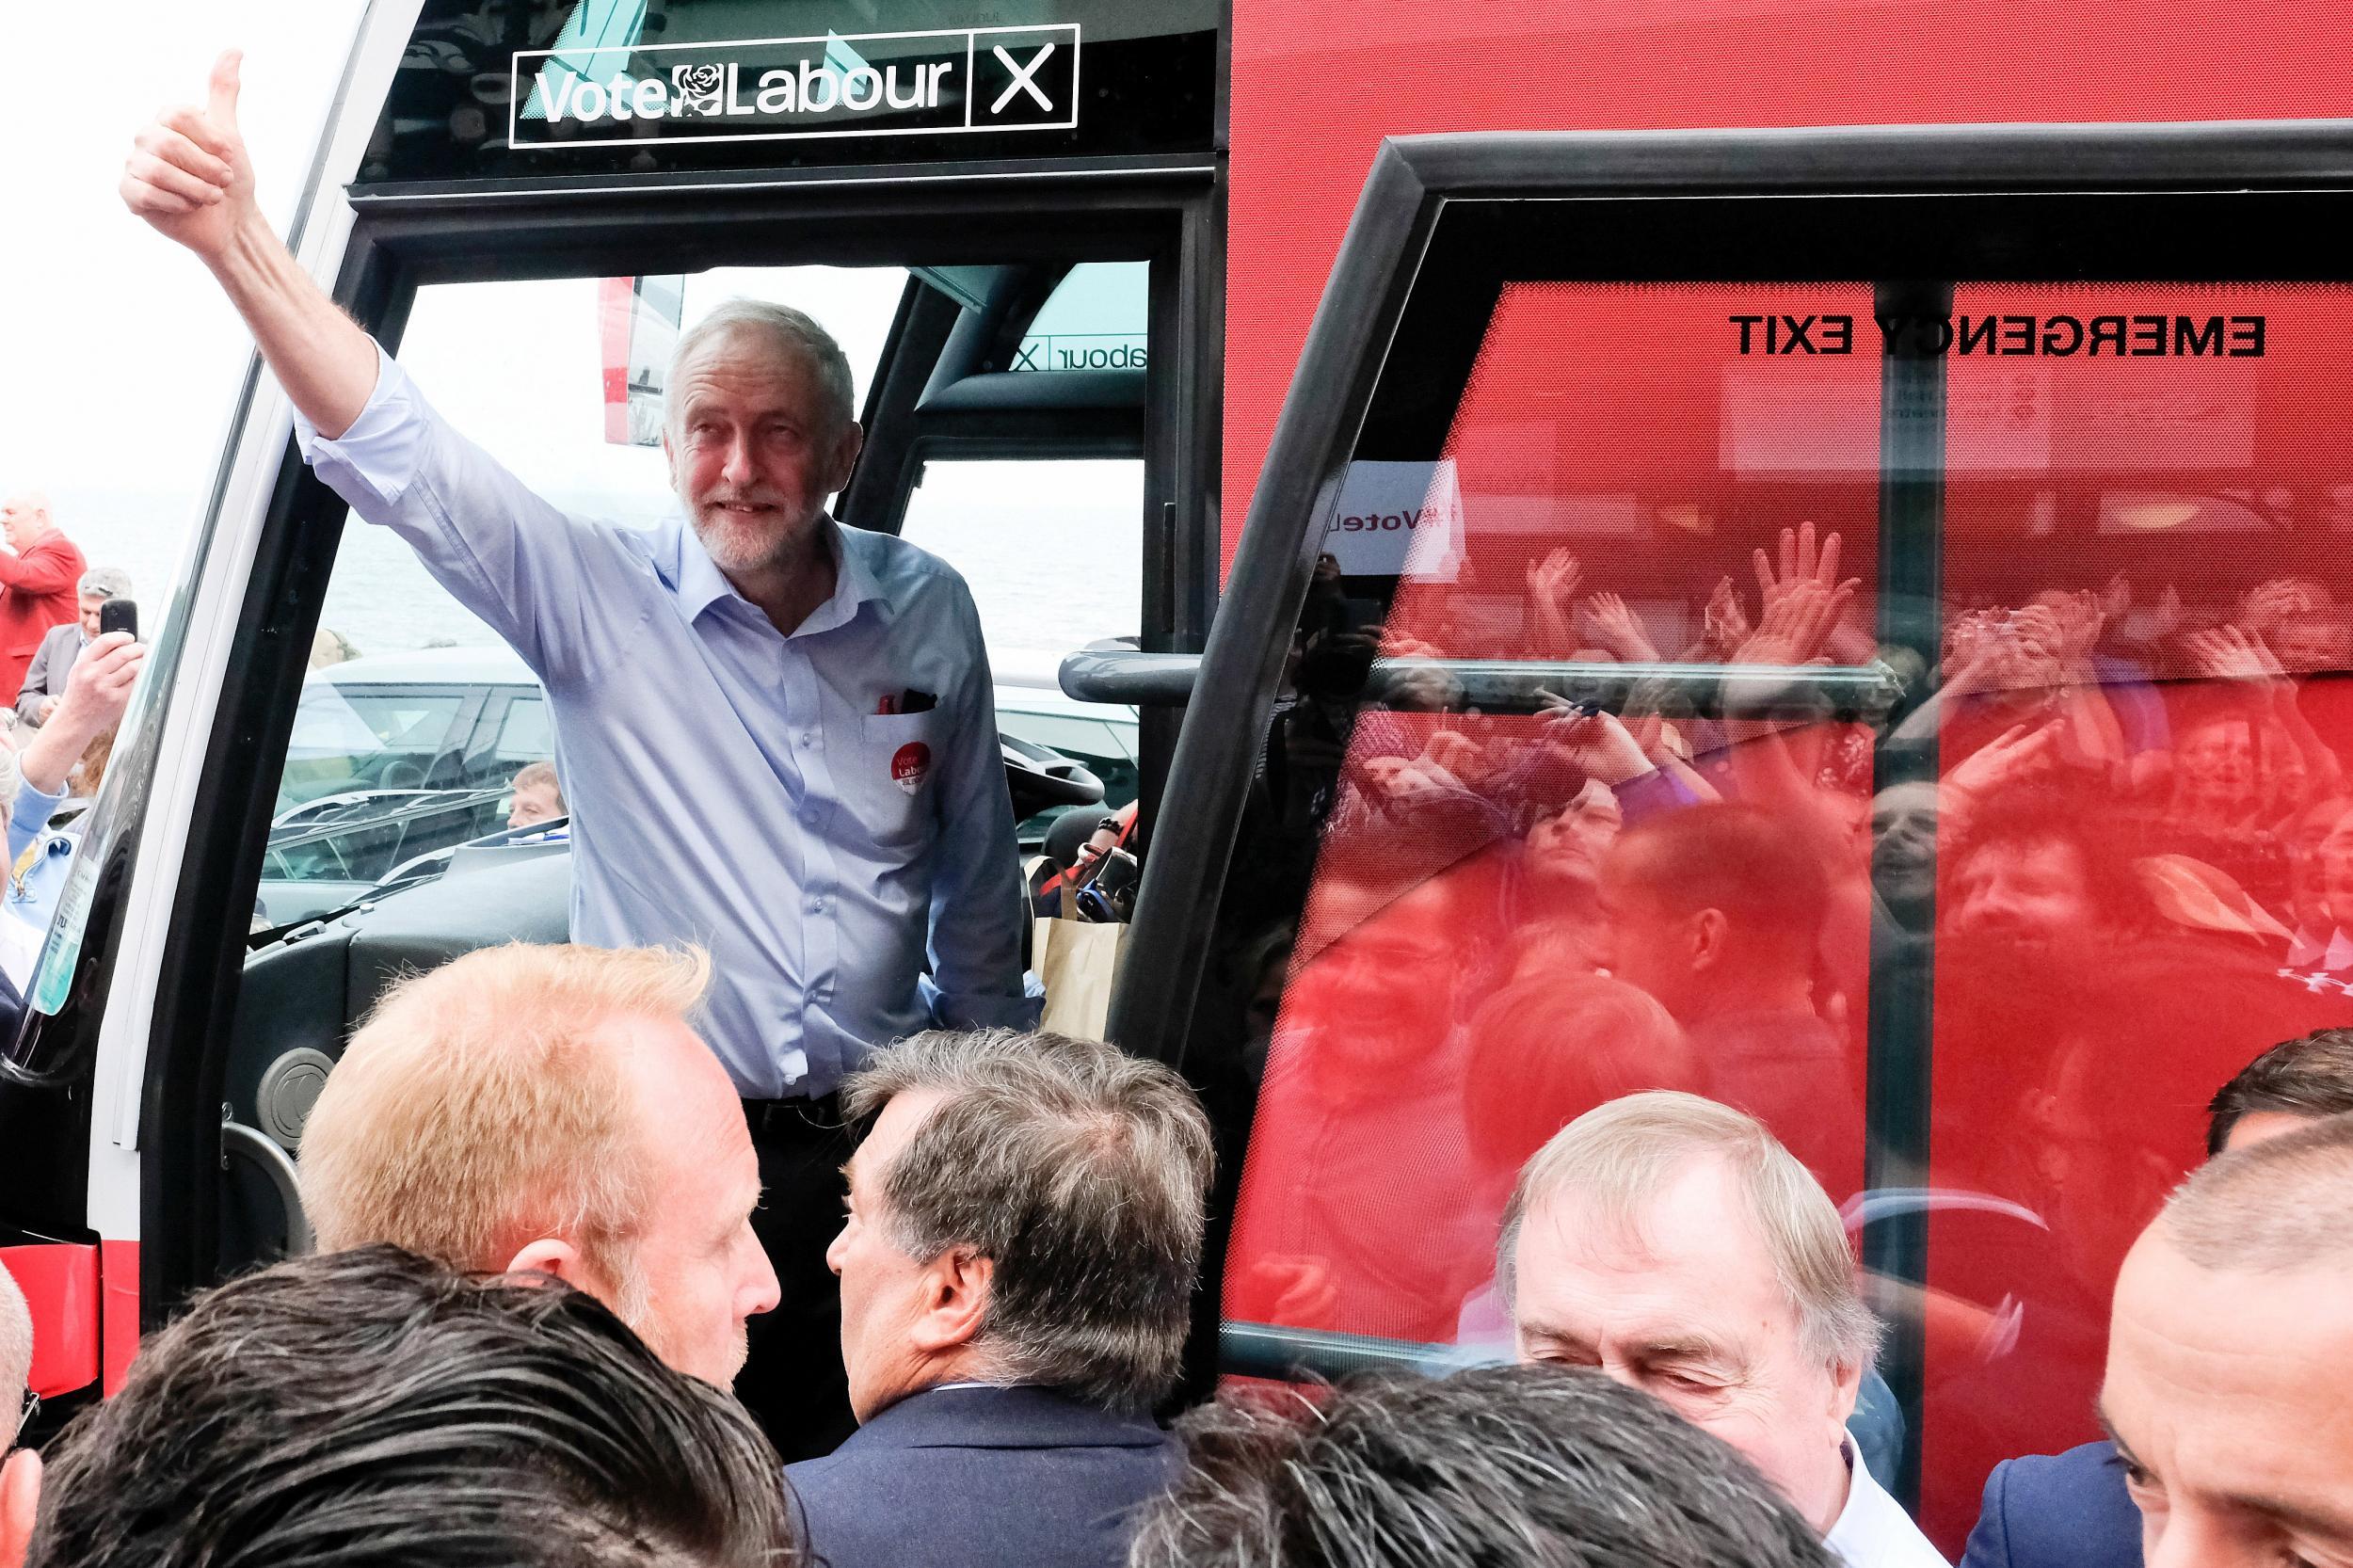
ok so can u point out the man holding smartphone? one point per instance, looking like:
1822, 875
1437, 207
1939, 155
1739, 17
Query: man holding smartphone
103, 592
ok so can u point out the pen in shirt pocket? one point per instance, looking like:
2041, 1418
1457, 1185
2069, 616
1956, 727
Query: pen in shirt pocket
911, 701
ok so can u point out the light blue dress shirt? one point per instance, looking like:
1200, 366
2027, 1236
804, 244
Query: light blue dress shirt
728, 785
32, 897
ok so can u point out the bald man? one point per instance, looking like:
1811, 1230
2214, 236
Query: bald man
2230, 1375
38, 572
2074, 1510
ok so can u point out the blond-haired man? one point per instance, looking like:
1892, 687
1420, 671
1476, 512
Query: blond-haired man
539, 796
1677, 1246
548, 1109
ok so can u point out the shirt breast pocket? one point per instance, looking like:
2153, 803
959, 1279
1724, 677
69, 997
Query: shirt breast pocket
898, 797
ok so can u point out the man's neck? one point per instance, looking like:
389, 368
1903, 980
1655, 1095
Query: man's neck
789, 590
1737, 992
1837, 1489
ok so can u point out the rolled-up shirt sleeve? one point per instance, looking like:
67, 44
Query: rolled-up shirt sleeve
545, 582
28, 817
976, 978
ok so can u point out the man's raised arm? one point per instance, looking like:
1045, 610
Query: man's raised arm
190, 177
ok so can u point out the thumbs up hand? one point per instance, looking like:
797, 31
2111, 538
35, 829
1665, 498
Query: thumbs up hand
188, 174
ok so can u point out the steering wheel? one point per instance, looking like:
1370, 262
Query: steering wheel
1039, 777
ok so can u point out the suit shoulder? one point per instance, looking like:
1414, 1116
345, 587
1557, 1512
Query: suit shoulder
2062, 1480
2070, 1508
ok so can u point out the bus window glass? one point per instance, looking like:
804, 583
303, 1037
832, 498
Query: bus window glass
1503, 723
2141, 736
1096, 319
1052, 550
1599, 765
1053, 553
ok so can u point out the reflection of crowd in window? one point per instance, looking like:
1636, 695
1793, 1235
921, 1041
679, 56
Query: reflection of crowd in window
2102, 837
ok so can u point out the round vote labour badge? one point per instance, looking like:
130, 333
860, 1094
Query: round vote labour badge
910, 765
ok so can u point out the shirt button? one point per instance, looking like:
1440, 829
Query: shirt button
816, 907
809, 817
809, 738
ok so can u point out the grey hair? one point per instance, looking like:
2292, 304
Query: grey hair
1620, 1156
105, 582
16, 1354
796, 329
1080, 1172
1523, 1465
2283, 1205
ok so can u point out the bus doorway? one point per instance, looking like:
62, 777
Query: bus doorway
334, 745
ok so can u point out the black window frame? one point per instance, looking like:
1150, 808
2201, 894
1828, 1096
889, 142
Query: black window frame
1909, 210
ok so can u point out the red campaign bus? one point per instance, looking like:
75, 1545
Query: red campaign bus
1412, 378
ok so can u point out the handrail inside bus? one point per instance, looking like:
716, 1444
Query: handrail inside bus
1867, 691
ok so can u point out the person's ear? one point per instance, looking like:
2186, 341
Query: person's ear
846, 446
20, 1504
1846, 1387
551, 1255
955, 1301
1707, 931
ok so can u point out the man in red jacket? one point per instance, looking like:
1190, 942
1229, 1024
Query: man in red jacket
37, 577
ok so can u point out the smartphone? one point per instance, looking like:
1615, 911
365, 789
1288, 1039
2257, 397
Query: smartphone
118, 614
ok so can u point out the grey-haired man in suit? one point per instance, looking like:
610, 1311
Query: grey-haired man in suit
45, 677
1017, 1266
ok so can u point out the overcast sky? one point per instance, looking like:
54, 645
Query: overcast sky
121, 355
122, 358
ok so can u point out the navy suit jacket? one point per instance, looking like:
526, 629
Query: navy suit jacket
983, 1477
2057, 1510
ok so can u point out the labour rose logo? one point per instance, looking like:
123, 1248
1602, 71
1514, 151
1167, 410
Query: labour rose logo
910, 765
698, 85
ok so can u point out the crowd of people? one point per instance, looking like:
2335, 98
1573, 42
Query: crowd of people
1750, 844
574, 1203
533, 1192
74, 680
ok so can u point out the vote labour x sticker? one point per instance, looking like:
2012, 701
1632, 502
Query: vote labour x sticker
910, 765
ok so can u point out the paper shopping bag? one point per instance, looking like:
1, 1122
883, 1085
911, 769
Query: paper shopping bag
1077, 961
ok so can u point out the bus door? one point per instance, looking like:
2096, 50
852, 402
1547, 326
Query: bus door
1922, 554
520, 208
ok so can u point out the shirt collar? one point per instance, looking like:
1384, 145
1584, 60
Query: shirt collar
701, 583
1872, 1529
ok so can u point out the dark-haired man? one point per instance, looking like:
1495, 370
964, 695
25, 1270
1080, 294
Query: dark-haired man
401, 1415
1018, 1265
1716, 911
1500, 1464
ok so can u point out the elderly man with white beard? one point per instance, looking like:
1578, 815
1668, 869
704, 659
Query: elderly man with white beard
777, 734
